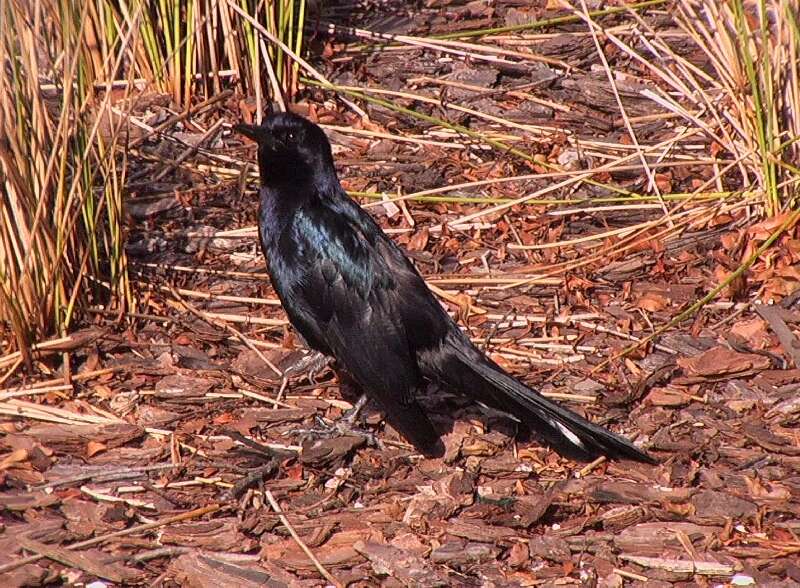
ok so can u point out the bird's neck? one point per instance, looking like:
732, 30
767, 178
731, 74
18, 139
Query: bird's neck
279, 202
276, 208
283, 195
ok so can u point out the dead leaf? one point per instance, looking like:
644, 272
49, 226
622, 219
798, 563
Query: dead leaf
652, 302
94, 447
408, 568
668, 397
12, 458
419, 240
721, 361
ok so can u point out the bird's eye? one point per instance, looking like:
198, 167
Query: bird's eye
290, 136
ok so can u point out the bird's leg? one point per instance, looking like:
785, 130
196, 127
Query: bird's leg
312, 363
351, 416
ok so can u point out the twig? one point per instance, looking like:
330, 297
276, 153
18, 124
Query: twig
105, 497
11, 370
262, 398
266, 450
170, 552
52, 344
631, 575
179, 117
254, 476
189, 151
584, 471
320, 568
28, 390
121, 474
41, 412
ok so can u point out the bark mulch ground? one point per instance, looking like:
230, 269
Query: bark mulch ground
173, 452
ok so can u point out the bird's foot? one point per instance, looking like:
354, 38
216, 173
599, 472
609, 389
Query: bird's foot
344, 426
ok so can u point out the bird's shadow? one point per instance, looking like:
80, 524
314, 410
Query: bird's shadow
445, 409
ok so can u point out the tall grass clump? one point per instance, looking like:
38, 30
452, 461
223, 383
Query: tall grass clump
60, 213
69, 70
190, 48
754, 49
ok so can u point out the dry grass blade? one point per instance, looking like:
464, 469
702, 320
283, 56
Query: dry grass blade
185, 47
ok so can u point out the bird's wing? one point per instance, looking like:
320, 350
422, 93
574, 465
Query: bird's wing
348, 296
424, 321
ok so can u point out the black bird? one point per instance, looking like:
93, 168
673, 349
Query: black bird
353, 295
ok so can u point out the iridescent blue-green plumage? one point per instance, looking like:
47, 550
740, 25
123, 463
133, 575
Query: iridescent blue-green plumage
353, 295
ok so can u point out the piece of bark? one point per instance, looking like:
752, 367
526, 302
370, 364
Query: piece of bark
654, 538
216, 535
482, 533
25, 500
457, 553
440, 500
183, 387
774, 316
681, 566
276, 415
87, 562
74, 438
336, 552
321, 452
622, 517
203, 570
636, 493
720, 363
716, 508
406, 567
248, 363
85, 518
756, 432
549, 547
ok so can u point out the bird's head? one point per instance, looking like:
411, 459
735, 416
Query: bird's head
290, 149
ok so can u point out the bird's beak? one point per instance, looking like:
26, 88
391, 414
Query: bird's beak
258, 134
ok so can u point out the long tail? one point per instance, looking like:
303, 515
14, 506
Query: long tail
467, 369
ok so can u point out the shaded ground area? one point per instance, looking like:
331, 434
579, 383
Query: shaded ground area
168, 453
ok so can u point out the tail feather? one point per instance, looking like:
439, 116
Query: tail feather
567, 432
560, 426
